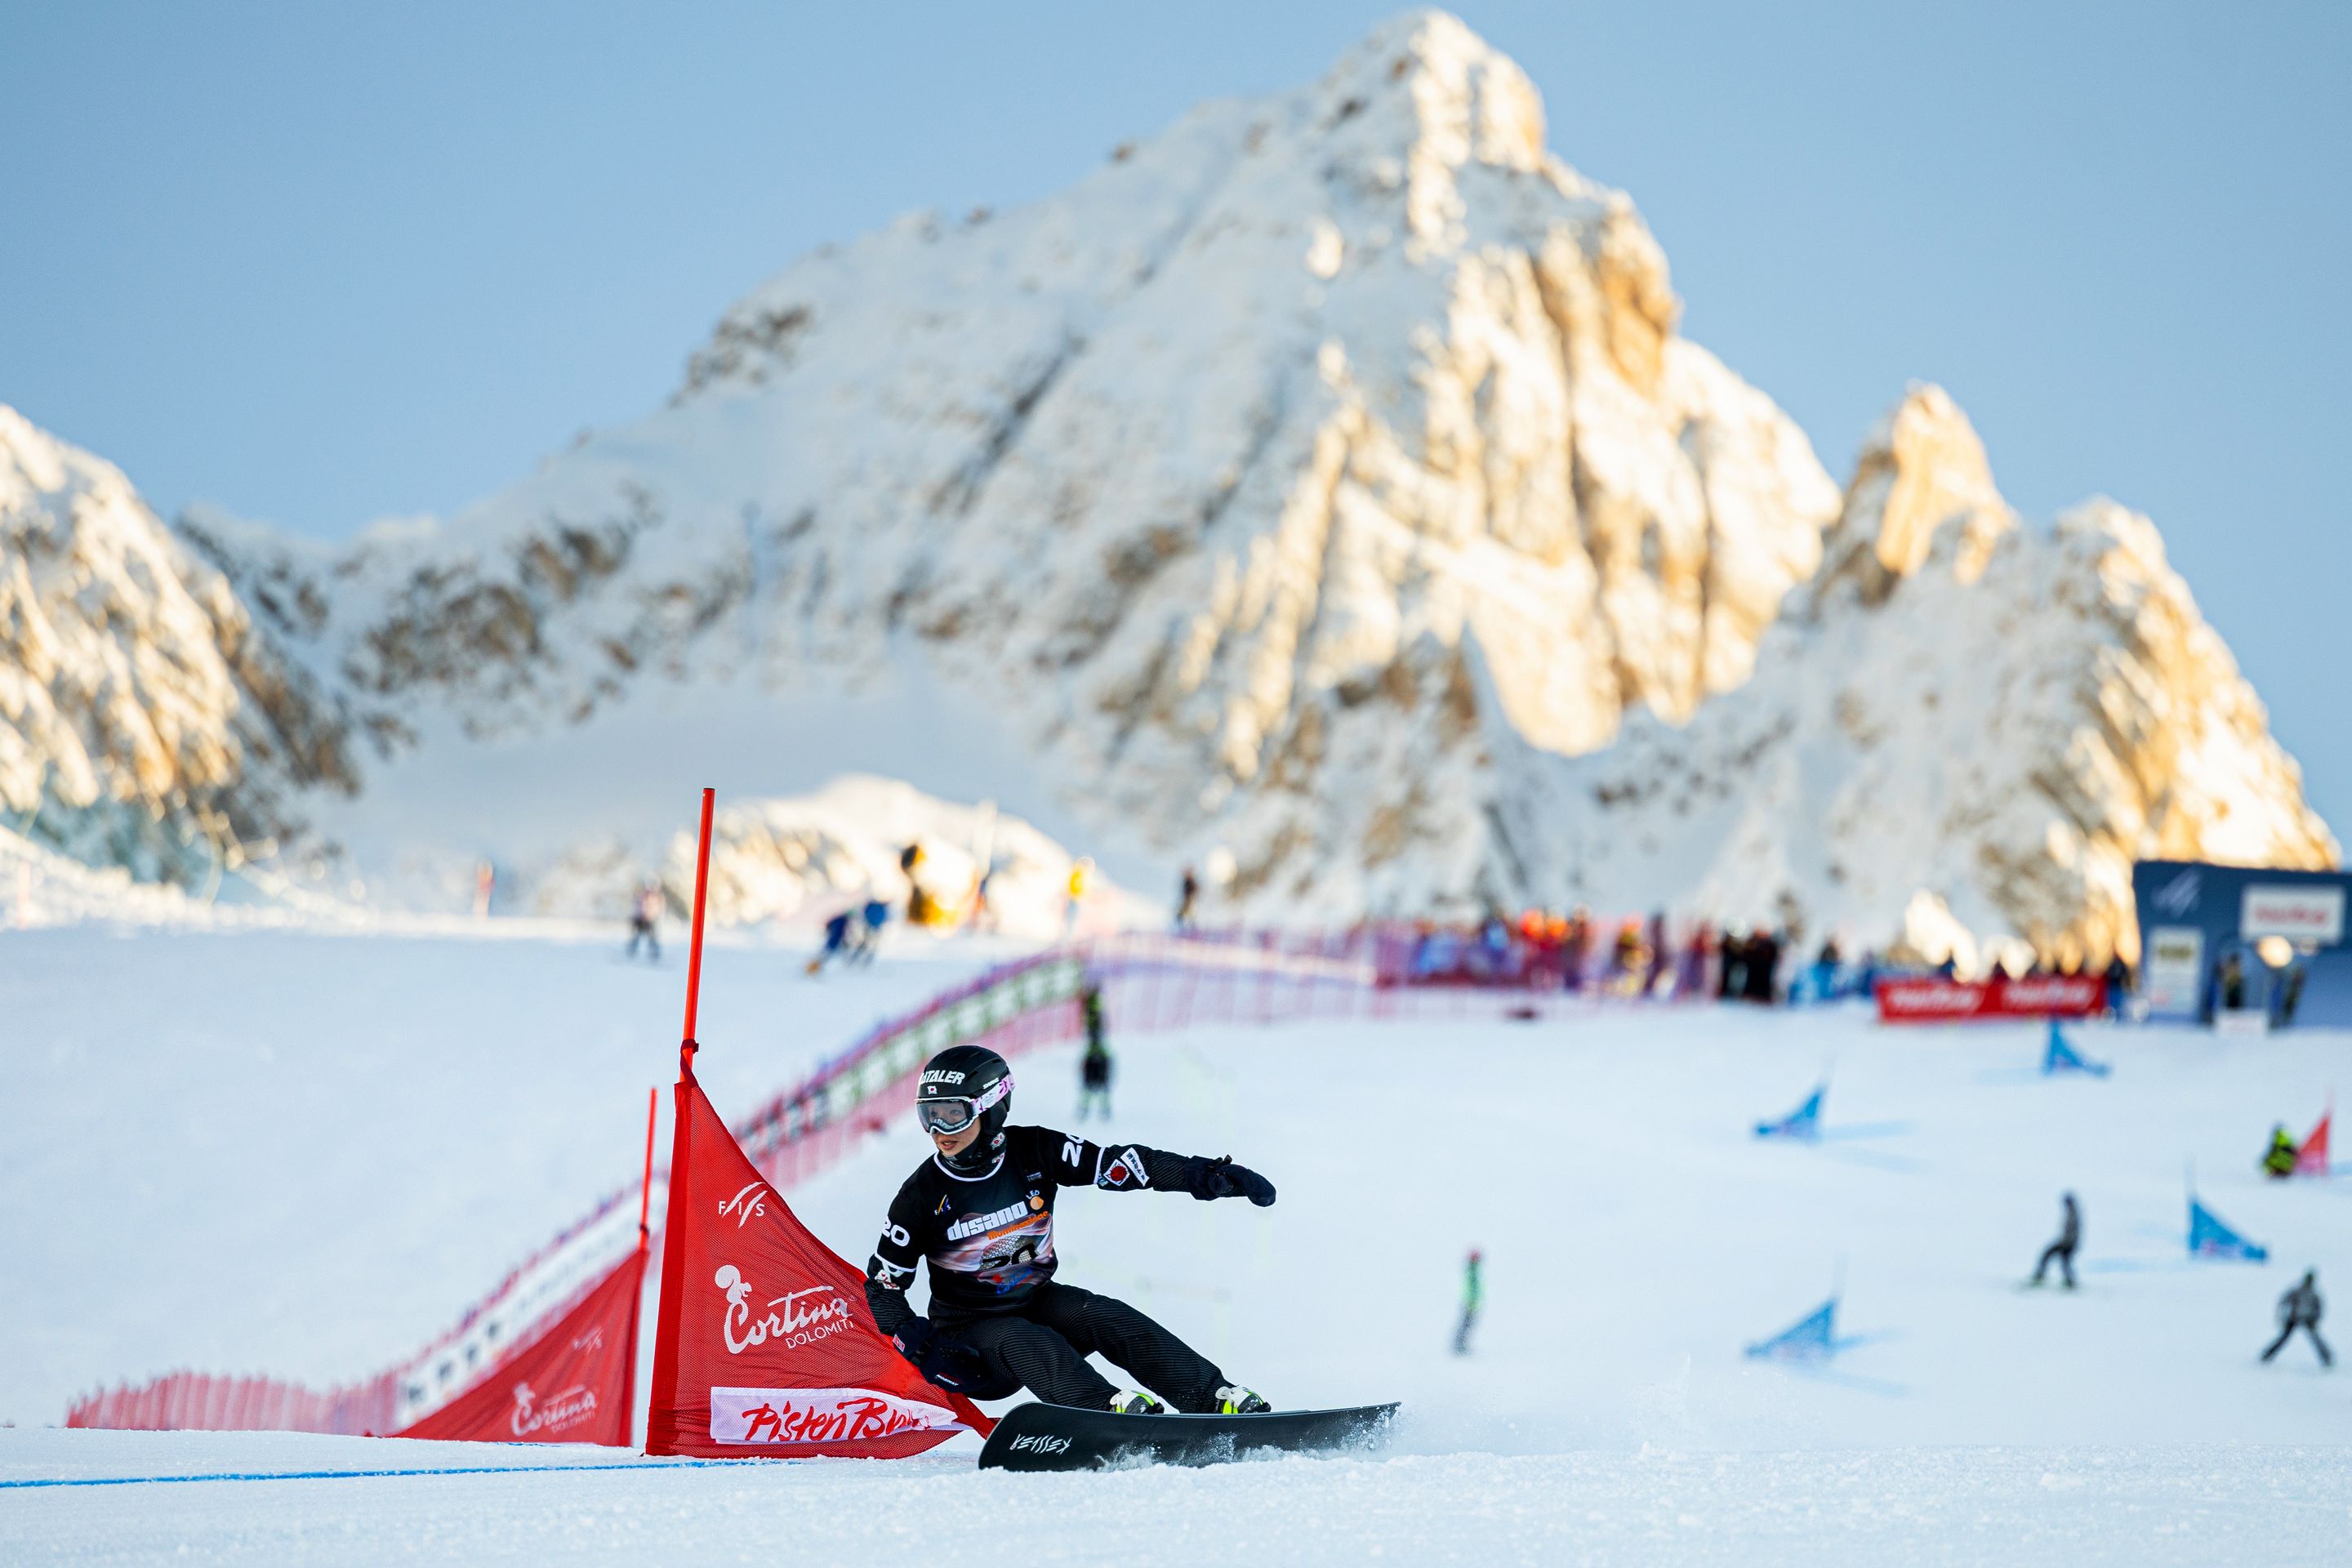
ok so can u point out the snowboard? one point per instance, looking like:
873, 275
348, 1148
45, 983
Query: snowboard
1040, 1436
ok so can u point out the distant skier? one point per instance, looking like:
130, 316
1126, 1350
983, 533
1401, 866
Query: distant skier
983, 915
2070, 1236
2278, 1160
2288, 998
1821, 980
642, 916
1094, 1067
872, 919
1188, 894
2230, 981
2300, 1308
1763, 967
980, 1214
1473, 1294
837, 941
921, 910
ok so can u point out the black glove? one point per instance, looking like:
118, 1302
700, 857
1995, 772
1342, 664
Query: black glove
1220, 1178
949, 1363
952, 1364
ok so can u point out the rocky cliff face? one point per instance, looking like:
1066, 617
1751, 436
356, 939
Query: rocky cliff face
144, 722
1219, 473
1323, 485
1964, 728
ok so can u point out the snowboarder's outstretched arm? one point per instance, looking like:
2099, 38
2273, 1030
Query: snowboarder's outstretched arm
1134, 1167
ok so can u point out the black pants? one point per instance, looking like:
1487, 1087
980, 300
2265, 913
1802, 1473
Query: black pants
2287, 1333
1462, 1334
1043, 1346
642, 931
2066, 1256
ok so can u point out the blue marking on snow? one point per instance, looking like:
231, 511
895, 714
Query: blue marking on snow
358, 1474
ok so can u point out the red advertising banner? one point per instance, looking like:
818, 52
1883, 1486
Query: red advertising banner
764, 1344
1931, 999
573, 1383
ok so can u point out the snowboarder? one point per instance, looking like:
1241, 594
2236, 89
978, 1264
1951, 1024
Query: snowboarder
837, 941
2070, 1236
2278, 1160
642, 916
979, 1213
2300, 1308
1188, 894
1094, 1067
872, 919
1473, 1293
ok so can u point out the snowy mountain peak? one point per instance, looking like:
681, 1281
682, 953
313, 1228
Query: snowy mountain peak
144, 721
1965, 740
1921, 470
1316, 432
1321, 488
1425, 88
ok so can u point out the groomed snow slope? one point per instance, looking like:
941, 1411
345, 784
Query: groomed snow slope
306, 1154
2133, 1508
318, 1186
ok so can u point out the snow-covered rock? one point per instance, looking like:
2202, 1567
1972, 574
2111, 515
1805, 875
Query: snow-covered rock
1320, 491
144, 721
796, 861
1215, 475
1965, 726
807, 857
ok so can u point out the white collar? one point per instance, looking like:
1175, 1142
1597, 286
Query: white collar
958, 1175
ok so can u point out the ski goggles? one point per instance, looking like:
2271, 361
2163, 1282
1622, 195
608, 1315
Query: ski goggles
952, 1114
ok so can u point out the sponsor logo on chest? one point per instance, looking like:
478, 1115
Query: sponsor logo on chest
979, 1224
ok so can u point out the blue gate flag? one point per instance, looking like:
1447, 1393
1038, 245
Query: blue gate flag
1805, 1121
2209, 1237
2062, 1057
1810, 1338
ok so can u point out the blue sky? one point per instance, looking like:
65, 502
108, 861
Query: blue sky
322, 264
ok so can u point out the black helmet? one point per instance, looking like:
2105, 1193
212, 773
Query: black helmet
961, 1084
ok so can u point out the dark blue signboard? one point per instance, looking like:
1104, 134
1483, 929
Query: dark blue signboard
2243, 938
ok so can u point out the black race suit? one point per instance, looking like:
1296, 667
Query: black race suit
989, 1242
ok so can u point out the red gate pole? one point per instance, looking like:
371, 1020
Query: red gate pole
646, 1193
687, 1046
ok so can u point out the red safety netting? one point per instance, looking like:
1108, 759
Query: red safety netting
574, 1383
